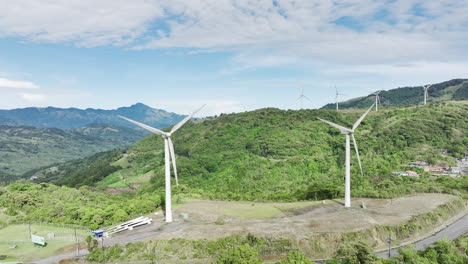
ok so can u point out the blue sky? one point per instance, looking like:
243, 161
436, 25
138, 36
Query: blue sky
233, 55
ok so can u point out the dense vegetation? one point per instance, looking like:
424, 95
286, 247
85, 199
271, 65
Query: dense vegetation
69, 118
456, 89
80, 172
26, 148
22, 201
272, 154
251, 249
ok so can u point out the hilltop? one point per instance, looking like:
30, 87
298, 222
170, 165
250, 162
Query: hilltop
456, 89
272, 154
70, 118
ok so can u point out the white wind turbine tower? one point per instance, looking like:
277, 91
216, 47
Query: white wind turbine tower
426, 94
168, 156
336, 98
377, 100
349, 132
302, 97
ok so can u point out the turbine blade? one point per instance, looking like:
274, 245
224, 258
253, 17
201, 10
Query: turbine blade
343, 129
357, 153
362, 117
181, 123
151, 129
307, 98
171, 150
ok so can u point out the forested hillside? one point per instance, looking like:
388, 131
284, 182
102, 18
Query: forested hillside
69, 118
456, 89
26, 148
49, 203
274, 154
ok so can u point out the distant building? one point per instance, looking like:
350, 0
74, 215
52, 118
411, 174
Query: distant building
435, 168
412, 173
400, 173
34, 178
455, 169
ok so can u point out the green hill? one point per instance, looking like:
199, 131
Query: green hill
26, 148
456, 89
273, 154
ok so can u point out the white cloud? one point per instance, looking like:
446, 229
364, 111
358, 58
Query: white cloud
84, 22
41, 97
33, 98
211, 24
262, 33
14, 84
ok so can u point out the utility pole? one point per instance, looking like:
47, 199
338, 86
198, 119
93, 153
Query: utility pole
389, 240
77, 245
30, 234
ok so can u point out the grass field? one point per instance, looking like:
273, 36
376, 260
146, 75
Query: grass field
245, 210
125, 178
17, 246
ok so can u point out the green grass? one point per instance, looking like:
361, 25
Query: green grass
246, 210
125, 177
25, 250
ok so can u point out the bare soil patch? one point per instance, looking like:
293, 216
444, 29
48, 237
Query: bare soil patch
281, 219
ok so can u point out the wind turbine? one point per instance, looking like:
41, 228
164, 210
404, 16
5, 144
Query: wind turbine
168, 156
302, 97
349, 132
377, 99
336, 98
426, 94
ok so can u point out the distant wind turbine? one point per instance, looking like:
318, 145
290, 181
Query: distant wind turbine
426, 94
168, 156
349, 132
302, 97
377, 99
336, 98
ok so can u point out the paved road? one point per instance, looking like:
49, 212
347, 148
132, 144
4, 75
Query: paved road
138, 234
452, 232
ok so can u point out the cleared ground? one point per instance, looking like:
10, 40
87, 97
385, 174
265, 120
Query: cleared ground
296, 220
199, 219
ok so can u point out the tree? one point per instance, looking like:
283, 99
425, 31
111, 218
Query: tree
243, 254
296, 257
91, 243
355, 253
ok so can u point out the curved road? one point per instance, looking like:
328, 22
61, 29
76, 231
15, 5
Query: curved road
452, 232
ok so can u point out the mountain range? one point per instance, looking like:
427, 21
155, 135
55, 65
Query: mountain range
71, 118
34, 137
456, 89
